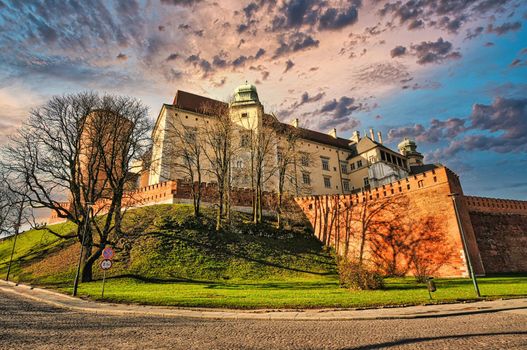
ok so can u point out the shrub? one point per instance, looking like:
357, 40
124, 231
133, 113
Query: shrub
356, 277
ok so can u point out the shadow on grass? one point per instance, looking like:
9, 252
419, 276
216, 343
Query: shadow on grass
224, 251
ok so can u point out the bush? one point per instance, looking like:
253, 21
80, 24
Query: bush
356, 277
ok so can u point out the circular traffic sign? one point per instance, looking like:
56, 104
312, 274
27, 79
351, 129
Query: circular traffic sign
107, 253
106, 264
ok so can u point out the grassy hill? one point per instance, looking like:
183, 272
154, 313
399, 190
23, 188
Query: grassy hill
168, 258
164, 242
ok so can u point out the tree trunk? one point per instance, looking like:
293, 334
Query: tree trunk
87, 268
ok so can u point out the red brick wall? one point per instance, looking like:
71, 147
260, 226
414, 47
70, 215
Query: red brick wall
425, 196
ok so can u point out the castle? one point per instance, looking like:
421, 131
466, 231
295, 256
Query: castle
426, 221
325, 163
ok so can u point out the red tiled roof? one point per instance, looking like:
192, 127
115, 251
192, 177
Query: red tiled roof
195, 103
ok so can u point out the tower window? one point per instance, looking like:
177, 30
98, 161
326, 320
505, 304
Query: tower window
244, 140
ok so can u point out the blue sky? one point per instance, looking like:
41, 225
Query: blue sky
449, 73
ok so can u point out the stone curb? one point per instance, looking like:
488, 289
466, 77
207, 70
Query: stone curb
411, 312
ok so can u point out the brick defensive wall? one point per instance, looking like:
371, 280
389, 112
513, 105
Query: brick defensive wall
501, 233
420, 208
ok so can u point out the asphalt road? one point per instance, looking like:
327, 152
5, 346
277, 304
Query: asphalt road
25, 324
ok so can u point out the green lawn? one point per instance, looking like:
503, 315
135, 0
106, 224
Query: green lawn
301, 293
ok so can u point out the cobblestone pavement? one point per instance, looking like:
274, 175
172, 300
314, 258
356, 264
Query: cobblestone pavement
26, 324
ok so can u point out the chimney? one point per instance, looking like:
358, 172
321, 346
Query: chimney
356, 136
372, 134
295, 122
379, 137
333, 133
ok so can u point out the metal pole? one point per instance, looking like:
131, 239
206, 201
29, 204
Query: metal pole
86, 220
103, 282
17, 229
465, 247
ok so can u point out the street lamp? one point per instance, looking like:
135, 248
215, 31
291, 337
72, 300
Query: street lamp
465, 247
83, 240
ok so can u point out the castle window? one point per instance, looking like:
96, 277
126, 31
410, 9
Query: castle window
366, 182
372, 159
244, 140
383, 155
306, 179
344, 167
279, 156
325, 163
245, 115
304, 159
359, 163
352, 166
239, 164
190, 135
399, 163
346, 185
327, 182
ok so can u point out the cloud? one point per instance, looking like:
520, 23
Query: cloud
288, 65
172, 57
198, 62
398, 51
294, 42
518, 63
504, 28
474, 33
180, 2
259, 53
437, 131
333, 18
382, 73
294, 14
499, 127
339, 113
434, 51
416, 24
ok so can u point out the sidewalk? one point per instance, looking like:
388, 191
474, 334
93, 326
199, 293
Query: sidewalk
517, 306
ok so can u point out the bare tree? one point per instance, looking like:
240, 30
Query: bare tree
76, 151
218, 151
185, 156
264, 144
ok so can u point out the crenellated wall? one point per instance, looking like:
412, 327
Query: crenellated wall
501, 232
413, 202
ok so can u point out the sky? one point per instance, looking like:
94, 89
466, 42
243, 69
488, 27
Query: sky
450, 74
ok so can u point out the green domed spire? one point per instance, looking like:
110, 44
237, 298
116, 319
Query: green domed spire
246, 93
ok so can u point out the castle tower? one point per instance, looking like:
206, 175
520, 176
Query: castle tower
246, 109
408, 148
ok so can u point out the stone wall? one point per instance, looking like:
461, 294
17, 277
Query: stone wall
501, 233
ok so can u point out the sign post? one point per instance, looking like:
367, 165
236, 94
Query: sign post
106, 264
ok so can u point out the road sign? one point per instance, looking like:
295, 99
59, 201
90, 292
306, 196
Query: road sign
106, 264
107, 253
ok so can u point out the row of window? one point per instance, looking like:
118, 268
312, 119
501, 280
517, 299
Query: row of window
306, 180
392, 158
343, 165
